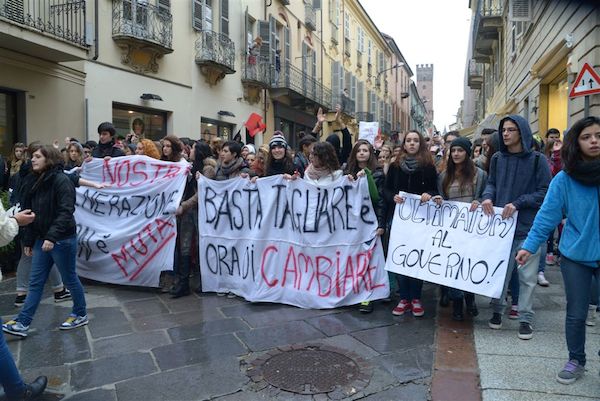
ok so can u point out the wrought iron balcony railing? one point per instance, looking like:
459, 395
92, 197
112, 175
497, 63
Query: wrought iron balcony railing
334, 34
487, 20
364, 116
346, 103
64, 19
260, 74
358, 58
310, 17
216, 49
143, 22
295, 79
475, 77
347, 47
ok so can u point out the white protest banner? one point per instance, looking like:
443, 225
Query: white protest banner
291, 242
126, 233
368, 130
451, 246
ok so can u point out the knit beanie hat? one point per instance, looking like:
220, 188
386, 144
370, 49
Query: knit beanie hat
251, 149
278, 140
463, 143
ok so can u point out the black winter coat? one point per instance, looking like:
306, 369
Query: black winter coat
52, 199
423, 179
107, 149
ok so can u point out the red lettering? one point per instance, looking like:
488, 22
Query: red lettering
172, 171
322, 274
158, 168
270, 248
349, 269
141, 173
291, 255
160, 226
123, 256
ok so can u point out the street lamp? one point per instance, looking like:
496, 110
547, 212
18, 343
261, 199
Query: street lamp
387, 69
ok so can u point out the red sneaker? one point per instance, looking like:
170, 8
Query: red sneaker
417, 308
514, 312
402, 307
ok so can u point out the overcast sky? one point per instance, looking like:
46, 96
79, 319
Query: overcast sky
430, 32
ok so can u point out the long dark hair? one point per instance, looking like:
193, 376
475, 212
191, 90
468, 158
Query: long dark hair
201, 151
176, 149
571, 151
353, 167
423, 155
325, 152
464, 176
54, 160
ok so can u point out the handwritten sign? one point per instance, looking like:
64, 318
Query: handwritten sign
126, 233
368, 130
451, 246
291, 242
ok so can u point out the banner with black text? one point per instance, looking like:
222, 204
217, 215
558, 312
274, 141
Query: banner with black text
451, 246
126, 233
290, 242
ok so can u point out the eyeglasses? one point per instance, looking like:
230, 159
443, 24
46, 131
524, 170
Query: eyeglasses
510, 129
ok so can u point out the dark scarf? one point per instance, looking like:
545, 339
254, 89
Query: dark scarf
409, 165
228, 169
587, 172
279, 167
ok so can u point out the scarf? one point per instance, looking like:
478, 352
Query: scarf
227, 169
409, 165
316, 173
279, 167
586, 172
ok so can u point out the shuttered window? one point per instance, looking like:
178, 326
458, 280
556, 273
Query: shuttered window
225, 17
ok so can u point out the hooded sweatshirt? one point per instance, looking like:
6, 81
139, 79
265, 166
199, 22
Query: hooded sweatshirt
518, 178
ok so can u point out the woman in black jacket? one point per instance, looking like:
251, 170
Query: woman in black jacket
50, 239
412, 172
279, 159
363, 162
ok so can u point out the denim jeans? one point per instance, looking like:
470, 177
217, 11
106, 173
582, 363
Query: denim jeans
24, 269
513, 285
9, 374
63, 255
409, 288
527, 283
577, 278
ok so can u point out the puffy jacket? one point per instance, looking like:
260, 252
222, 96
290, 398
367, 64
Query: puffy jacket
52, 199
422, 180
107, 149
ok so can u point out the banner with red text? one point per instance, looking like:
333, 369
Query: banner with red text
291, 242
450, 245
126, 233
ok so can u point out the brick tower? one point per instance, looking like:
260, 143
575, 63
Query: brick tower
425, 87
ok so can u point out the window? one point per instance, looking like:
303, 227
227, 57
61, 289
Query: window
202, 15
9, 121
153, 122
225, 17
212, 129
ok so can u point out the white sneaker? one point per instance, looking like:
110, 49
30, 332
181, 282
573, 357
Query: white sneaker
591, 317
542, 280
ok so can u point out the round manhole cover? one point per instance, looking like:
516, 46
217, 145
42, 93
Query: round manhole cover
309, 371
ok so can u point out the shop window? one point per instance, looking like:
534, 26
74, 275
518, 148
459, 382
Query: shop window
8, 122
212, 129
145, 123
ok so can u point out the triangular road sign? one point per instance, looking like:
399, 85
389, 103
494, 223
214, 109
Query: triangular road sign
587, 82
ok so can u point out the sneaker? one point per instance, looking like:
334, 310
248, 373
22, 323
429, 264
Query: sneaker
15, 328
417, 308
62, 296
525, 331
365, 307
231, 295
591, 316
514, 312
496, 321
73, 322
402, 307
35, 388
542, 280
20, 300
550, 259
221, 294
570, 373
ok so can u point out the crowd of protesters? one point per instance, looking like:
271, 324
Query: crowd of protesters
551, 182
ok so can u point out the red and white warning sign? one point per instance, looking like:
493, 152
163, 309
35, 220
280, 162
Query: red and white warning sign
587, 82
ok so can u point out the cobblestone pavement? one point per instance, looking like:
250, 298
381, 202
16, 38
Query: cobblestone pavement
142, 345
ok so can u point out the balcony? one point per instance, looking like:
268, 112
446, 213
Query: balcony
369, 69
256, 77
53, 29
302, 89
358, 59
364, 116
285, 2
347, 105
487, 25
347, 47
143, 31
215, 54
475, 77
310, 16
385, 126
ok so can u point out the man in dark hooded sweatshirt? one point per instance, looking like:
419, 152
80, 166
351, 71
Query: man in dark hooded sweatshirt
106, 146
517, 181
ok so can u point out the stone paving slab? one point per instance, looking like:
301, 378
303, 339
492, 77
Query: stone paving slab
145, 307
196, 382
203, 350
409, 392
210, 328
94, 395
282, 334
408, 365
128, 343
398, 337
87, 375
513, 395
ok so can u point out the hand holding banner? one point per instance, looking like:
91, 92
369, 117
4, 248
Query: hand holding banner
451, 246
